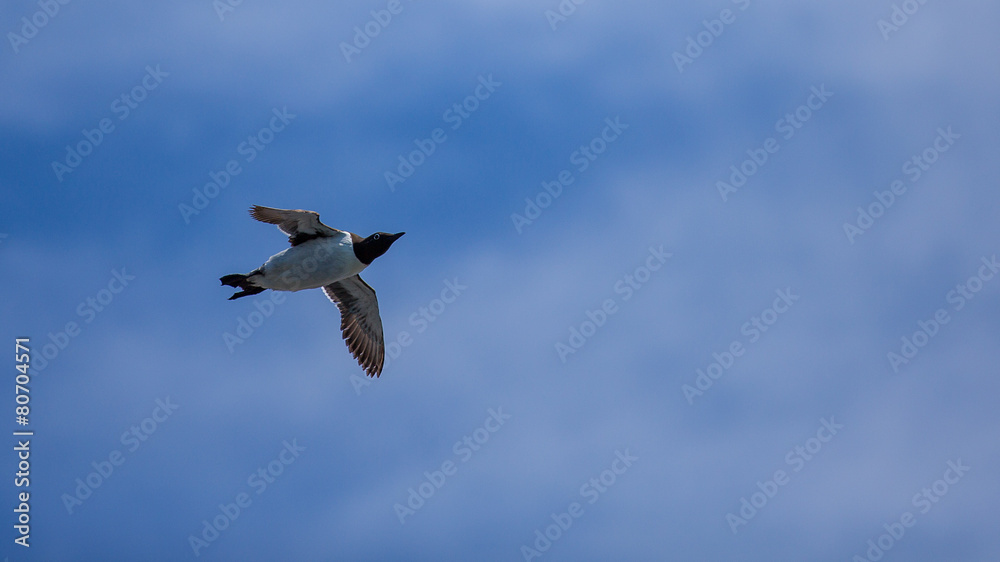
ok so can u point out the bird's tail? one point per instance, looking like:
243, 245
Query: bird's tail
243, 282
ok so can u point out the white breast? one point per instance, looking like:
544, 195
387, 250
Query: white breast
311, 265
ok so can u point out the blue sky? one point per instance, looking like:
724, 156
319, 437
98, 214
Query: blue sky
484, 433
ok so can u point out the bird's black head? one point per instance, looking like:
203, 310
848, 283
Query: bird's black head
366, 250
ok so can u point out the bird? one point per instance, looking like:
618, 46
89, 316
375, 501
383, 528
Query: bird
327, 258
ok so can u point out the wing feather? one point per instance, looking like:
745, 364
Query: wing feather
360, 322
300, 226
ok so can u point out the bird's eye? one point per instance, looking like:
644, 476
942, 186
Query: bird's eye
375, 237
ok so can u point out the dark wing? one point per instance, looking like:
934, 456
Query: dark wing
300, 226
359, 322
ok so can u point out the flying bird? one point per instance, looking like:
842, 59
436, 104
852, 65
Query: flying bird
325, 257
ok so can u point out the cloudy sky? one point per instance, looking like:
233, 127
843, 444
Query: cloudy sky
681, 281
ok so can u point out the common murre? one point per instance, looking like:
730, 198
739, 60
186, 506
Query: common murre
325, 257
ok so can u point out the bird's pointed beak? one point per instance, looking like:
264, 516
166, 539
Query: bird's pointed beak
397, 235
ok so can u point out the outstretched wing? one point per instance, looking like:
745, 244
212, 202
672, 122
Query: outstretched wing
359, 321
300, 226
